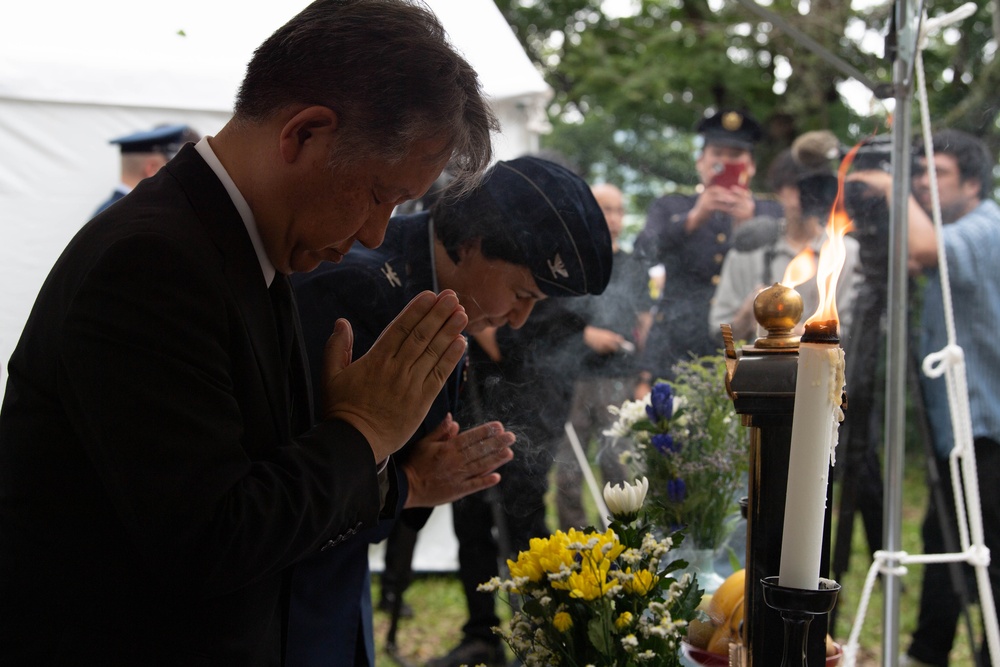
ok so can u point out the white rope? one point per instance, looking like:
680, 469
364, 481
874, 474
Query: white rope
949, 362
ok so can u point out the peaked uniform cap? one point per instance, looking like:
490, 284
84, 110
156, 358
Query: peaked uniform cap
731, 128
167, 139
552, 217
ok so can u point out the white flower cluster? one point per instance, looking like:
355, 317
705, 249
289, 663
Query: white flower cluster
627, 416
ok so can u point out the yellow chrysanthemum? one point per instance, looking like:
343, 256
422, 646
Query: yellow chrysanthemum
624, 620
590, 580
543, 556
563, 621
641, 582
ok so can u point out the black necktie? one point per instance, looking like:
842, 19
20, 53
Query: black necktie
281, 301
292, 371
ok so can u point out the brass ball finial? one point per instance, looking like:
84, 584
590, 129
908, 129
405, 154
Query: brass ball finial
778, 309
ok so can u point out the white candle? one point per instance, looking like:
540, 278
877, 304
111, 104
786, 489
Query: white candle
815, 421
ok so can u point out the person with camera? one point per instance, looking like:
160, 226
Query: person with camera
804, 180
971, 240
690, 236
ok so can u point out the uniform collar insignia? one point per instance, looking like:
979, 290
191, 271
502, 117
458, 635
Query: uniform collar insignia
557, 267
391, 275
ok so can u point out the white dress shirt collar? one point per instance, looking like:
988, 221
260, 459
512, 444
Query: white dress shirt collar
205, 150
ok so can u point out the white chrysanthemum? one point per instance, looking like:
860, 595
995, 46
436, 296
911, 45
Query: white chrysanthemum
627, 416
624, 501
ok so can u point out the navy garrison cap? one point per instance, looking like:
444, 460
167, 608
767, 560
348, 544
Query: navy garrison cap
554, 220
731, 128
166, 139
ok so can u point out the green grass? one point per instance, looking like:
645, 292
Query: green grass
439, 604
915, 493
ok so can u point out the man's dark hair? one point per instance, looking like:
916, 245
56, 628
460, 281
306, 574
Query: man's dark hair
459, 222
388, 71
784, 171
971, 155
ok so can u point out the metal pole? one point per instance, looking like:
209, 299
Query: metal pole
897, 308
588, 474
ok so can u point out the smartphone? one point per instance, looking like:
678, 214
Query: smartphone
732, 173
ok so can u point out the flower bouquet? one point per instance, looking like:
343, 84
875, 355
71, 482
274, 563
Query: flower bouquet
691, 447
601, 599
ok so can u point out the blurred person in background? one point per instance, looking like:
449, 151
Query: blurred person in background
971, 238
691, 234
144, 153
607, 373
804, 179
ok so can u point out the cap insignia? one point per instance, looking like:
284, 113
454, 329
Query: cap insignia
557, 267
391, 275
732, 121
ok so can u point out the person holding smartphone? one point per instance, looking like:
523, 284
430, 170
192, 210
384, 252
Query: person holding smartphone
690, 236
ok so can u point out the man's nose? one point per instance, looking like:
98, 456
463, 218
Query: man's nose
372, 233
519, 315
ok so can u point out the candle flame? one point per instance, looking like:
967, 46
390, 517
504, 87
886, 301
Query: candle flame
833, 254
800, 269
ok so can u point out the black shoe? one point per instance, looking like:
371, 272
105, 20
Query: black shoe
388, 600
472, 652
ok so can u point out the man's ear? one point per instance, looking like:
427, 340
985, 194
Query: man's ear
310, 127
467, 248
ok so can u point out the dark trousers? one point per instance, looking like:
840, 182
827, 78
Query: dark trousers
940, 605
399, 548
590, 418
512, 512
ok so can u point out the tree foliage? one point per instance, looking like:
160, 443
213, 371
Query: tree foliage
630, 89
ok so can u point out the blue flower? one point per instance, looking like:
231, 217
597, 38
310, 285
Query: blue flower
664, 442
676, 490
661, 403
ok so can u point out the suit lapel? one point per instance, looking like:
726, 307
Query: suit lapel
242, 273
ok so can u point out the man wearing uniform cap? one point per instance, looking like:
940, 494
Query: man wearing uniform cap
691, 234
143, 153
530, 231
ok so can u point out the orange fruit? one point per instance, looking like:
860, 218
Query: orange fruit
727, 596
728, 632
700, 632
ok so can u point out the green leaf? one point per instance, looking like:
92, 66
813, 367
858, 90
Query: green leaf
597, 633
533, 607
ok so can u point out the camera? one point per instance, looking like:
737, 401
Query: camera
868, 208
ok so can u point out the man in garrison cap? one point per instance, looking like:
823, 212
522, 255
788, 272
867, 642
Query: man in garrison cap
531, 230
143, 153
690, 236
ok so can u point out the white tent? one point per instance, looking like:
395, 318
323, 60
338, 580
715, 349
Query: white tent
75, 74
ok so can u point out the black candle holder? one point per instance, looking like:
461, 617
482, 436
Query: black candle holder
797, 608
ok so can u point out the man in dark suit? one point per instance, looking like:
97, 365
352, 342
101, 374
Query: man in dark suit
159, 467
531, 230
